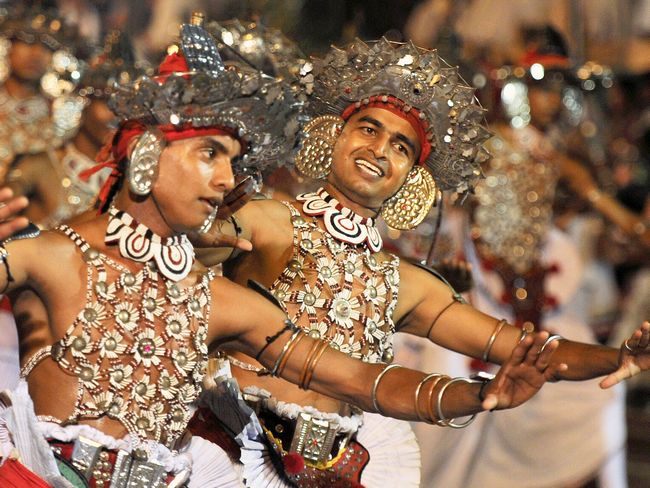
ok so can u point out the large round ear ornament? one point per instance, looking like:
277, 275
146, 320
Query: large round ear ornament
411, 204
314, 158
143, 165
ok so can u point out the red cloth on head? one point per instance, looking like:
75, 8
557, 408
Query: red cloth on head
173, 63
549, 61
117, 149
394, 105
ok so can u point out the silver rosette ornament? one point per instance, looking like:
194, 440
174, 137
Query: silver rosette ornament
204, 91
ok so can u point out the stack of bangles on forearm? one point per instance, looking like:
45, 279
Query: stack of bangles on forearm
315, 353
438, 417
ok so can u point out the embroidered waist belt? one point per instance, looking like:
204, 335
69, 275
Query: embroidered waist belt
88, 463
332, 459
318, 441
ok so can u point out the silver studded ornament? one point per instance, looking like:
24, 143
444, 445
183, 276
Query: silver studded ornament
410, 205
314, 158
143, 166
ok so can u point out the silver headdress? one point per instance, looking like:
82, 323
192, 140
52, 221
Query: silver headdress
200, 90
413, 79
114, 64
33, 24
264, 48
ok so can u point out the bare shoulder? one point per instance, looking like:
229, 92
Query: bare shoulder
47, 243
235, 309
418, 286
264, 218
31, 168
413, 276
32, 259
264, 208
33, 160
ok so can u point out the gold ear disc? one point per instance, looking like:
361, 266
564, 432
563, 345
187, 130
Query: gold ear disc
411, 204
314, 158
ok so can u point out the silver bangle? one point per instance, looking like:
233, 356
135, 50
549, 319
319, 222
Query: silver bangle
554, 337
444, 421
594, 195
245, 366
375, 385
417, 394
490, 343
527, 328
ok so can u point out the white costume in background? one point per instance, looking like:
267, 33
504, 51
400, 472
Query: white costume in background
205, 464
563, 435
9, 361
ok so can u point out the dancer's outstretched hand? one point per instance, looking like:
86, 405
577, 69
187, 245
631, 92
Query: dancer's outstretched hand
528, 368
216, 238
634, 357
233, 201
10, 207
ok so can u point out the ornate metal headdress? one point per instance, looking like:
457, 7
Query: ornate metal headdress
264, 48
514, 202
205, 92
31, 24
414, 80
113, 65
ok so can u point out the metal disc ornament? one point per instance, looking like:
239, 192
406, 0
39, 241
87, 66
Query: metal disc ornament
143, 167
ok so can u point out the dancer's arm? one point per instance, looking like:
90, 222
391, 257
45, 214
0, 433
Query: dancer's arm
243, 320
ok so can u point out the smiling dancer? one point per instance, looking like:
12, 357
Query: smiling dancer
392, 125
113, 373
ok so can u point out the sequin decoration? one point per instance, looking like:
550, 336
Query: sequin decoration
342, 293
515, 203
419, 79
137, 347
25, 128
77, 195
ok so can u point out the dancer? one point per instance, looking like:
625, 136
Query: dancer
114, 372
387, 118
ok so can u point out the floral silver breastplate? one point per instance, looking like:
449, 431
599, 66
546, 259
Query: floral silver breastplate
342, 293
138, 347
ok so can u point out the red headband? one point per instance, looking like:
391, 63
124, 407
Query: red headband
396, 106
116, 150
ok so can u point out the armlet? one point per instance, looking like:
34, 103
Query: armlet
457, 296
29, 232
262, 290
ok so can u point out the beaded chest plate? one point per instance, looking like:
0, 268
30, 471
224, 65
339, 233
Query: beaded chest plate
138, 347
339, 292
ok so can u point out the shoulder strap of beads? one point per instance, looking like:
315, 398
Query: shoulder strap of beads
79, 241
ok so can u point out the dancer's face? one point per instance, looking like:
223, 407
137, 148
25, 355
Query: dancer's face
545, 105
372, 156
29, 61
193, 178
